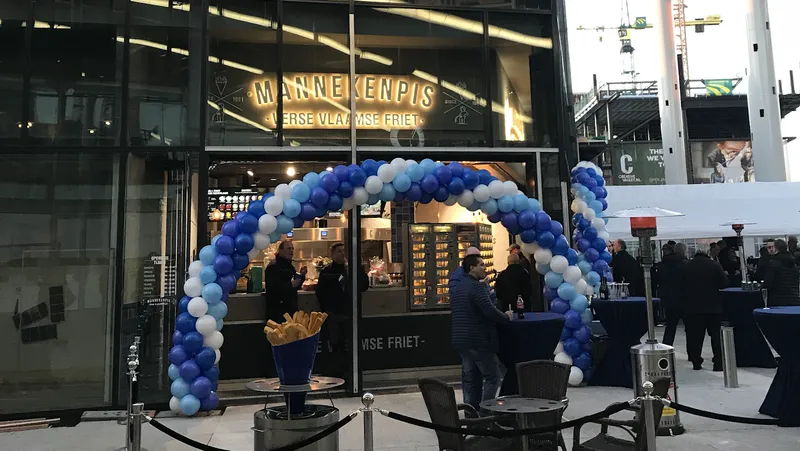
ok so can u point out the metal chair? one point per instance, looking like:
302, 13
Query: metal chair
544, 379
634, 428
440, 400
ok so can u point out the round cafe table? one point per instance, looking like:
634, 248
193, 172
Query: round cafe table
752, 349
533, 338
781, 326
625, 321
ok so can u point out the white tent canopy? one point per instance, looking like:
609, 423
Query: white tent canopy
773, 207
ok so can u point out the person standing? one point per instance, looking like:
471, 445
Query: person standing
516, 249
474, 333
793, 249
627, 269
782, 277
704, 278
671, 289
763, 264
282, 282
458, 274
514, 281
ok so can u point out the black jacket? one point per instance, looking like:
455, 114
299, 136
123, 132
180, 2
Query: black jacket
671, 281
761, 269
334, 289
704, 279
514, 281
627, 269
782, 280
281, 295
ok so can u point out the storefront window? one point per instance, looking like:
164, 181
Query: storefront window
76, 62
504, 4
420, 78
551, 186
242, 68
57, 254
523, 86
12, 63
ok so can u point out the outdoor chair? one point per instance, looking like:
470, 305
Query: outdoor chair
634, 428
440, 399
544, 379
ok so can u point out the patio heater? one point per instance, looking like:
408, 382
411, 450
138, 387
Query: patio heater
652, 359
738, 225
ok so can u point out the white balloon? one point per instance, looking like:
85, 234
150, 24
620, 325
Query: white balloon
581, 206
283, 192
496, 189
572, 275
218, 356
589, 214
575, 376
451, 200
400, 165
175, 404
580, 285
253, 253
294, 183
206, 324
193, 287
564, 358
409, 162
195, 268
197, 307
273, 207
559, 348
604, 235
466, 198
529, 248
348, 204
543, 256
267, 224
260, 241
574, 206
360, 196
482, 193
509, 188
559, 264
215, 339
374, 185
599, 224
386, 173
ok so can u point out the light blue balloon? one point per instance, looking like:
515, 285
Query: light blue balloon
584, 266
415, 172
174, 372
542, 268
275, 236
439, 164
566, 291
285, 224
311, 179
579, 303
212, 293
596, 206
372, 199
534, 205
582, 190
209, 253
505, 204
589, 196
323, 174
190, 405
301, 192
553, 279
475, 206
489, 207
428, 166
593, 278
401, 182
219, 321
586, 317
576, 187
581, 258
387, 192
521, 203
291, 207
179, 388
207, 274
218, 310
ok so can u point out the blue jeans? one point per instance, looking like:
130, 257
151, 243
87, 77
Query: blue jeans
481, 376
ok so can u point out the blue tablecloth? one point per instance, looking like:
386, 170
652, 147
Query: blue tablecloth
533, 338
625, 321
781, 326
751, 348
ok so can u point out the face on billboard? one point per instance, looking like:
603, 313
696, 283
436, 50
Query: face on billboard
727, 162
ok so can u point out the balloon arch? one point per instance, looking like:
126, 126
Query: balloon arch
570, 275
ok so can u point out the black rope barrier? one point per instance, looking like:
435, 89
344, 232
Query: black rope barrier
721, 416
610, 410
293, 447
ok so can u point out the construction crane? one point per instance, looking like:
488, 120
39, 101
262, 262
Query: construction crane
626, 27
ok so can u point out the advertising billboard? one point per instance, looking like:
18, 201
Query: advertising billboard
639, 163
723, 162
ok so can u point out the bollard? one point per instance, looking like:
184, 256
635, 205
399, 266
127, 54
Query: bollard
137, 412
648, 410
367, 400
729, 371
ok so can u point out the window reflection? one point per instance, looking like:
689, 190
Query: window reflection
12, 62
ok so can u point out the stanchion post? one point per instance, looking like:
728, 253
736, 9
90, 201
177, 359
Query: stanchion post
367, 400
137, 413
648, 408
133, 364
730, 376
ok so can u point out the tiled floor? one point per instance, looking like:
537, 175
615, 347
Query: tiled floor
231, 431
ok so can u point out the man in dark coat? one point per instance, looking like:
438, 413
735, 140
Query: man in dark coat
514, 281
474, 333
782, 277
282, 282
627, 269
516, 249
704, 278
671, 289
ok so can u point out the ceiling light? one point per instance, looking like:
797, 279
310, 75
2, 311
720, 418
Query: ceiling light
291, 172
249, 172
329, 169
273, 180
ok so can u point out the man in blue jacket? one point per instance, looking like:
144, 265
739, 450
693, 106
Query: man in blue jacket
474, 333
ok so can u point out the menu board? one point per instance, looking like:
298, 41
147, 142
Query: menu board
224, 203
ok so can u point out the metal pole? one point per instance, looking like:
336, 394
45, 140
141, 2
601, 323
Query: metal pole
647, 263
742, 264
648, 407
729, 371
133, 363
367, 400
136, 430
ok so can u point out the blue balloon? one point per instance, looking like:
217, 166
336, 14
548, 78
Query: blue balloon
606, 256
387, 192
307, 212
556, 228
586, 316
573, 319
401, 182
587, 347
285, 224
225, 244
443, 174
189, 370
341, 172
400, 197
505, 204
208, 254
494, 218
247, 223
173, 372
509, 221
591, 172
521, 203
426, 198
592, 278
190, 405
223, 264
219, 321
456, 169
244, 244
546, 239
329, 183
256, 208
588, 197
591, 183
600, 180
590, 233
600, 266
183, 304
583, 334
572, 257
542, 221
179, 388
185, 323
585, 267
583, 361
591, 255
528, 236
240, 261
484, 177
572, 347
441, 194
599, 192
312, 179
292, 207
429, 183
576, 219
542, 268
319, 196
335, 202
274, 237
566, 332
205, 358
177, 338
227, 282
527, 219
582, 178
583, 224
415, 172
345, 190
599, 244
210, 402
456, 186
192, 342
561, 246
370, 167
212, 374
578, 303
231, 229
201, 387
208, 275
475, 206
178, 355
428, 166
559, 306
218, 310
553, 279
566, 291
534, 205
414, 193
597, 205
470, 178
357, 177
550, 293
583, 244
372, 199
212, 293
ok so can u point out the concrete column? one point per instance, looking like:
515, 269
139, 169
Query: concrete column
669, 97
762, 96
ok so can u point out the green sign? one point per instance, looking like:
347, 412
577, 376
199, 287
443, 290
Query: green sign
641, 22
637, 164
716, 88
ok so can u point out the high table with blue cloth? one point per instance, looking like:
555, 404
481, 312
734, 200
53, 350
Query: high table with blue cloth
751, 348
533, 338
781, 326
625, 321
